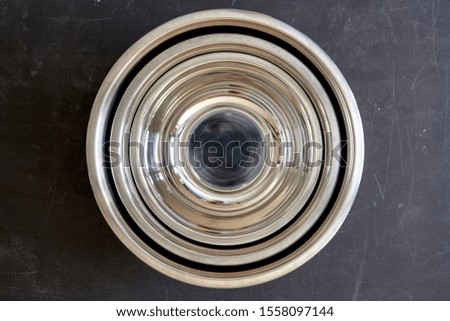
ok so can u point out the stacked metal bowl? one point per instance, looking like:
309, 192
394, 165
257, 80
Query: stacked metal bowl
225, 148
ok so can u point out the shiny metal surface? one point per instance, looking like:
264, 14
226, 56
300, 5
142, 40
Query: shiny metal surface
236, 148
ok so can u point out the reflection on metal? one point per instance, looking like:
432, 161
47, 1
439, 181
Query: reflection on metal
225, 148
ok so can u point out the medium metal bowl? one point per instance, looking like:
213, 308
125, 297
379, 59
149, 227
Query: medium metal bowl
225, 148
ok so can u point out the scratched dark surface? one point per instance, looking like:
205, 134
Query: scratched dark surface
54, 242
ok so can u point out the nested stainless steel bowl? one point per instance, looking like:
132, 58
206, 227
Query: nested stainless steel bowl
225, 148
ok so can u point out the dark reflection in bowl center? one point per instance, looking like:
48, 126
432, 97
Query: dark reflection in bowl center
226, 150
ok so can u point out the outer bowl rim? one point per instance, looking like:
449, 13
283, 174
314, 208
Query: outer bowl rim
102, 109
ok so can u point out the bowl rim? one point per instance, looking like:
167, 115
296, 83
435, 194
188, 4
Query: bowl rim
101, 111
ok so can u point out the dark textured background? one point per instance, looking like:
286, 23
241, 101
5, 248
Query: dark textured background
54, 243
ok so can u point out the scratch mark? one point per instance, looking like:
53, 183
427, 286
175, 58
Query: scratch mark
446, 107
379, 188
370, 116
434, 20
412, 169
401, 154
59, 268
385, 12
390, 152
128, 5
31, 164
233, 3
79, 20
358, 280
437, 254
445, 134
360, 274
375, 229
428, 60
394, 98
435, 14
397, 9
357, 210
15, 257
18, 273
49, 207
413, 85
433, 29
402, 227
392, 131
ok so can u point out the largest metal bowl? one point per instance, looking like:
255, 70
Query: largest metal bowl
225, 78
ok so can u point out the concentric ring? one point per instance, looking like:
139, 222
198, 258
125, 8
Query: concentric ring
225, 148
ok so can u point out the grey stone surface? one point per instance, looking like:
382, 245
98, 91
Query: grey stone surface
54, 243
